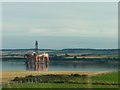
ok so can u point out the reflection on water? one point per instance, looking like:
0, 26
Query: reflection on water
36, 66
61, 66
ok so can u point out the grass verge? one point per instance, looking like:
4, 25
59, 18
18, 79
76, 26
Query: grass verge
67, 81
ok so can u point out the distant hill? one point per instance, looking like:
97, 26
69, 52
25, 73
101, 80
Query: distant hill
67, 51
64, 54
93, 51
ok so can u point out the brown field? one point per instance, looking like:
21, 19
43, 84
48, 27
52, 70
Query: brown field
10, 75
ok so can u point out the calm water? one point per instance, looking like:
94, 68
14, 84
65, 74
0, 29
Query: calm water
61, 66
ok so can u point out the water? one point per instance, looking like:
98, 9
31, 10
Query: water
61, 66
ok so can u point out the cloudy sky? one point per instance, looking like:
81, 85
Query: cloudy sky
60, 25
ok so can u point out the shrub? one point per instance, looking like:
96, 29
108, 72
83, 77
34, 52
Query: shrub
76, 75
30, 76
84, 75
16, 79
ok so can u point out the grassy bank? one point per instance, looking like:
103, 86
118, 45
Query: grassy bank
109, 80
56, 85
10, 75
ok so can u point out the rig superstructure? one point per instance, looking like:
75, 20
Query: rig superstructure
37, 57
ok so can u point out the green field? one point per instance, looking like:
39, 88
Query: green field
56, 85
70, 81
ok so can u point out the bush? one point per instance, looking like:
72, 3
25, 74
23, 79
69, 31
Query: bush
30, 76
76, 75
84, 75
16, 79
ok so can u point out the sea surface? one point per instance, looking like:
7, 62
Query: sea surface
60, 65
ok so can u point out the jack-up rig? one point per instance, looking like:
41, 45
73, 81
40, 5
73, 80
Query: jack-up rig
36, 57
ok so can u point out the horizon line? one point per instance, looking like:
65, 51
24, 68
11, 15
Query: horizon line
54, 48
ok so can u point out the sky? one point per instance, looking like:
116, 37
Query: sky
58, 25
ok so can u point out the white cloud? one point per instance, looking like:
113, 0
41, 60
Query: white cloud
66, 27
60, 19
75, 32
38, 31
71, 20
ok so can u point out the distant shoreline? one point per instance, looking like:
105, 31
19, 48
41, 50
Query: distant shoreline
65, 59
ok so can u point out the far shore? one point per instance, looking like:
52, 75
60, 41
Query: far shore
7, 76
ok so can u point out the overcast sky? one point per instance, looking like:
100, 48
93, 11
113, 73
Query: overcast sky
60, 25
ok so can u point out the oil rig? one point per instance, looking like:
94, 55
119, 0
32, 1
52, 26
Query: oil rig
36, 57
